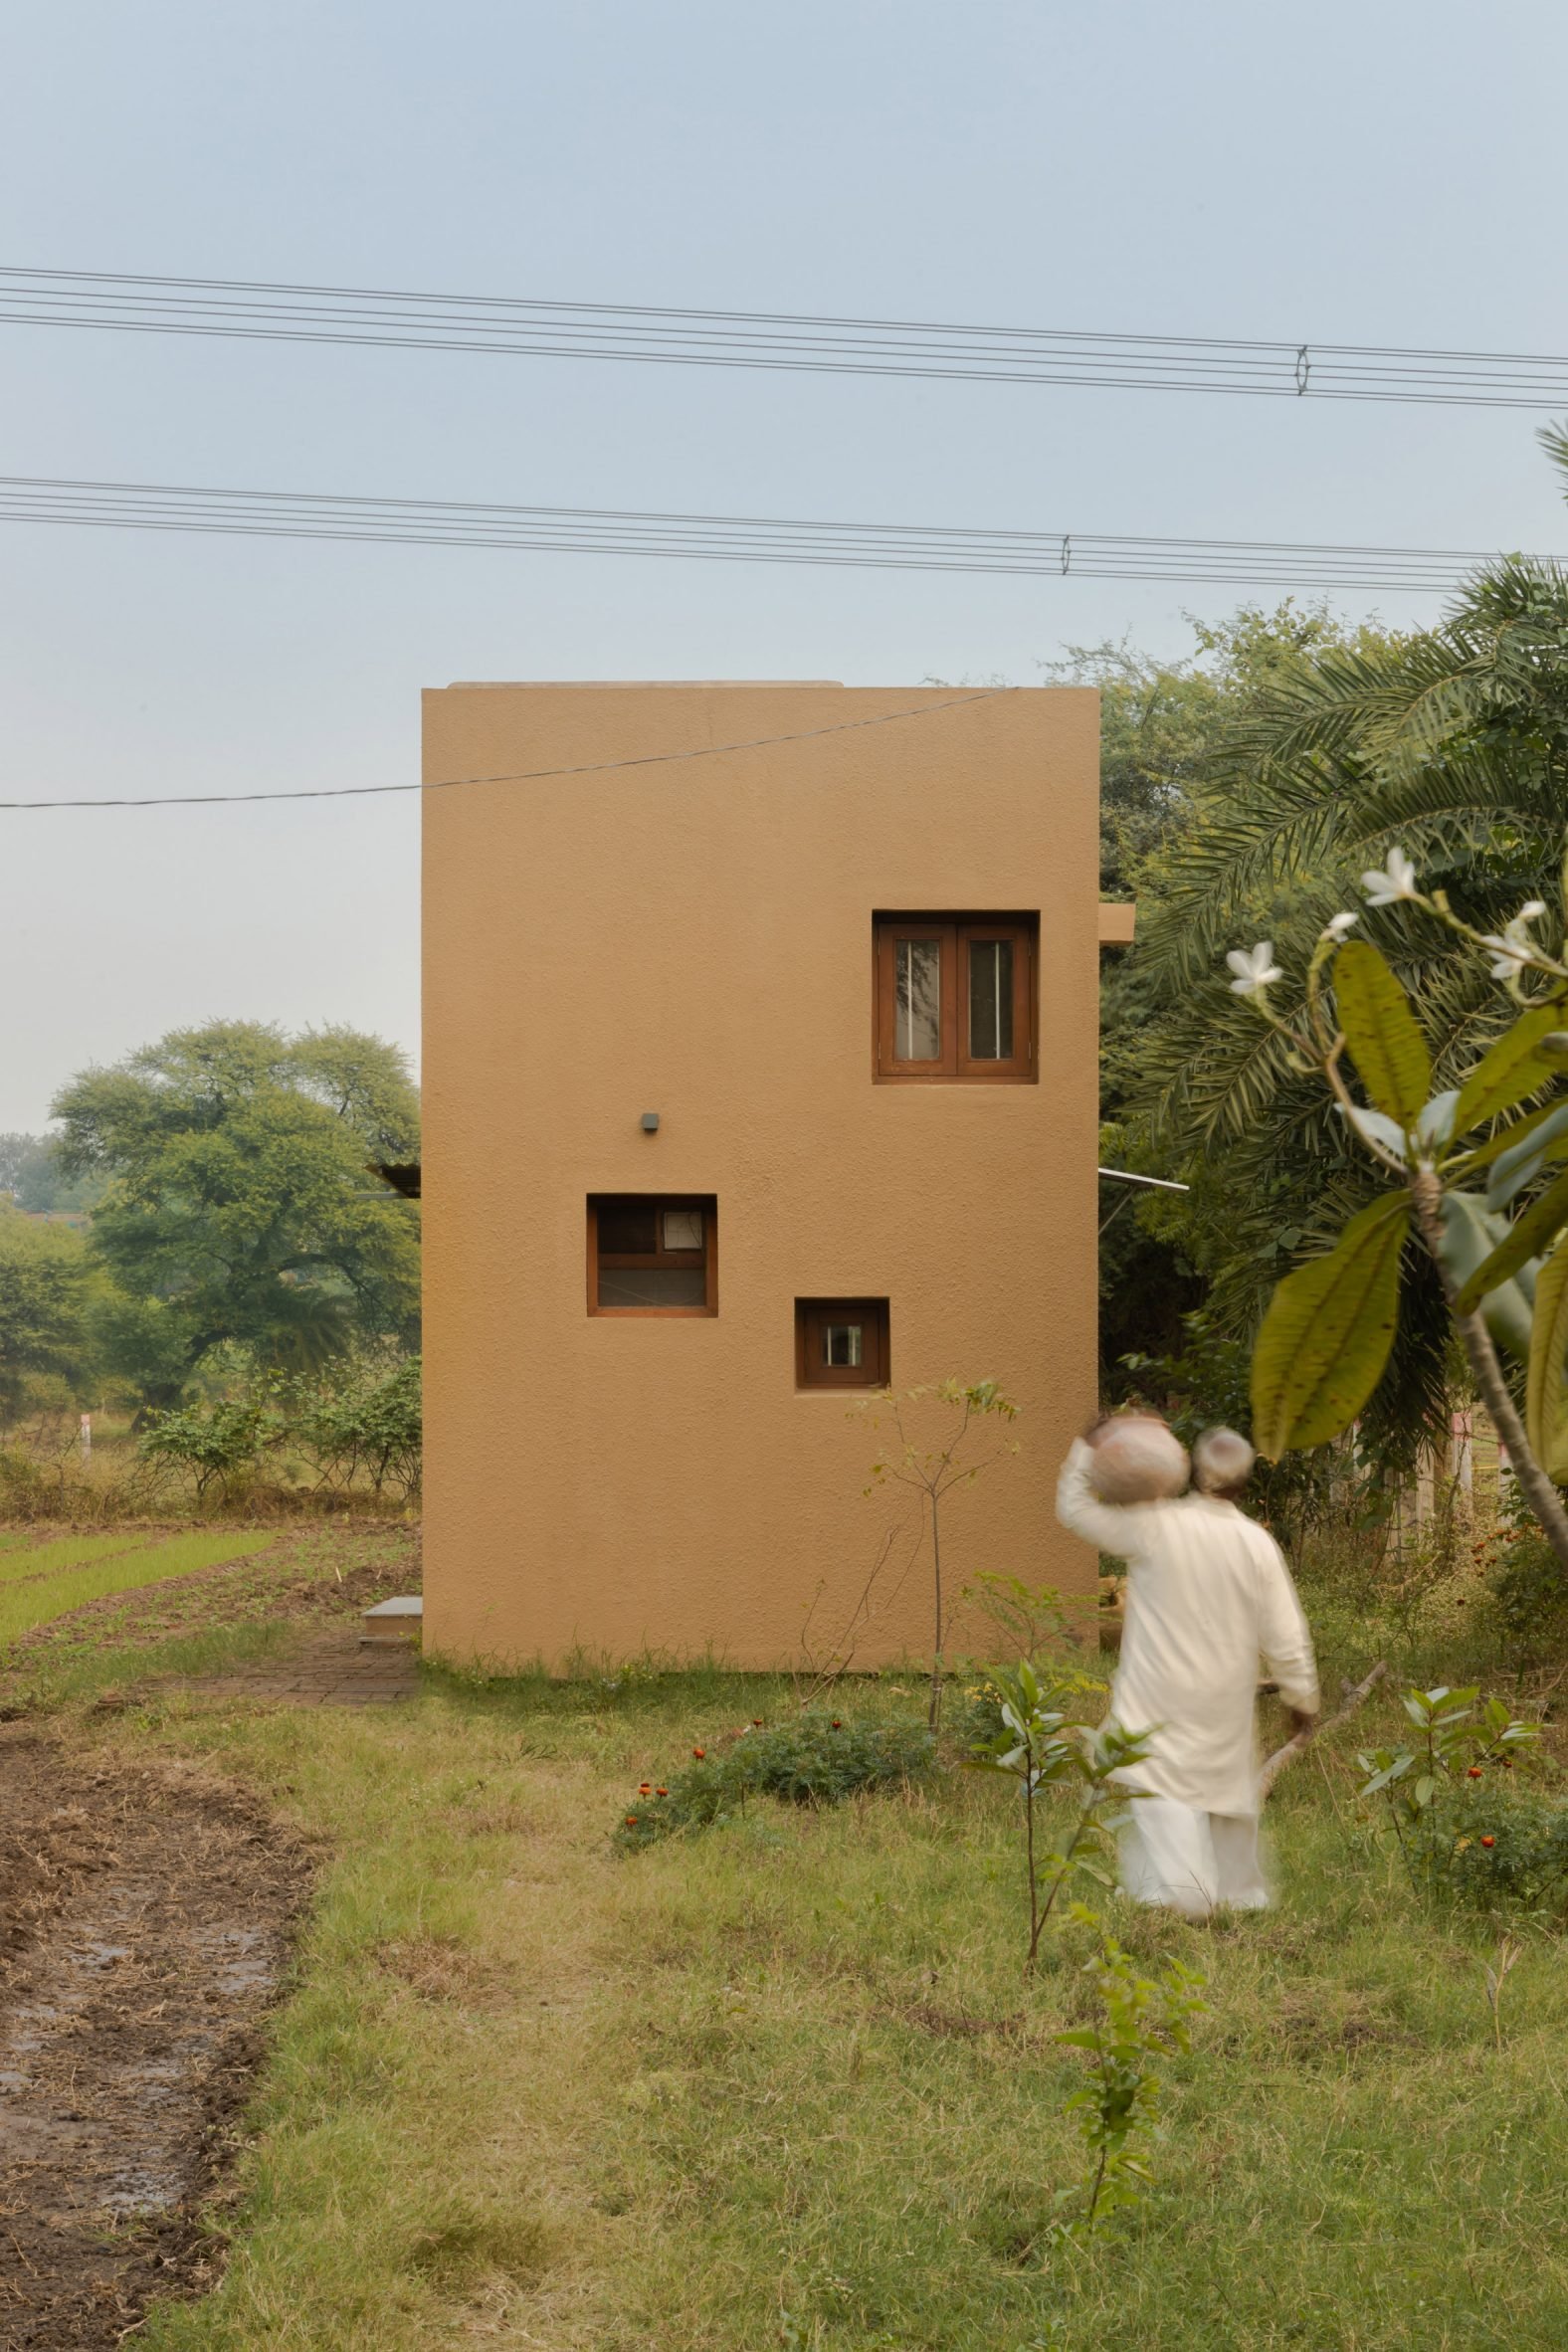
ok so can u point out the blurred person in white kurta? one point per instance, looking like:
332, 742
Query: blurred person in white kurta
1208, 1594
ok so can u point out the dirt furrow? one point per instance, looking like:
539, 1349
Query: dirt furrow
144, 1919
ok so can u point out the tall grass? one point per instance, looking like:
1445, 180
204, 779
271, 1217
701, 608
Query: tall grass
37, 1601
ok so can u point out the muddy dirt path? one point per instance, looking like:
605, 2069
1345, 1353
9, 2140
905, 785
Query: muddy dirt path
145, 1917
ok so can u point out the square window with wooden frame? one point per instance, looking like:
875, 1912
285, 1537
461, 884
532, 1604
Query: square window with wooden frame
954, 998
652, 1254
841, 1343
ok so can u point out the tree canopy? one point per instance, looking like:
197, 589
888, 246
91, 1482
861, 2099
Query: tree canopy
1449, 744
241, 1206
45, 1279
1163, 727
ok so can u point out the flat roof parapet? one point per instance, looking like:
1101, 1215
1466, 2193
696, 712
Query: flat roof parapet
641, 685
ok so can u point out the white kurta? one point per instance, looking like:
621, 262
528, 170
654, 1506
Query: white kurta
1208, 1595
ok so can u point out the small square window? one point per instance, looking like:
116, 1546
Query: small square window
955, 997
650, 1255
841, 1343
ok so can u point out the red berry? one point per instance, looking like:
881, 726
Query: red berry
1475, 1772
756, 1722
837, 1725
1489, 1841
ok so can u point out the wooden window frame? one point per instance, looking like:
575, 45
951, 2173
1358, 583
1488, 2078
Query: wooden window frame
955, 1065
812, 1374
706, 1258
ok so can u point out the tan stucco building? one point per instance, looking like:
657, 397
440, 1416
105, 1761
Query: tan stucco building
753, 1079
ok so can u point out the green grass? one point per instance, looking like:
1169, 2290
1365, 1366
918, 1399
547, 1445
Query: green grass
783, 2083
65, 1551
40, 1599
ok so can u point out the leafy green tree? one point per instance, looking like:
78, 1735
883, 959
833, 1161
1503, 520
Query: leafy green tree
242, 1207
45, 1280
1450, 746
31, 1173
1161, 722
1164, 730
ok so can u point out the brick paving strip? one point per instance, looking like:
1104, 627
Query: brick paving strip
330, 1669
322, 1597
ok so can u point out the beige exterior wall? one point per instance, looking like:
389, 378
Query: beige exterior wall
696, 938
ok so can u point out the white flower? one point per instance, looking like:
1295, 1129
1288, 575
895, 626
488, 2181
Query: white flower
1512, 950
1254, 968
1397, 880
1337, 925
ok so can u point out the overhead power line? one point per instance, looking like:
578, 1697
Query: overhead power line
592, 767
730, 538
124, 302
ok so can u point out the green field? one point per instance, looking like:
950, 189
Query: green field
40, 1585
23, 1556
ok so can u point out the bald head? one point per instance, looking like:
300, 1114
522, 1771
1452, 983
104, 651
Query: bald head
1137, 1460
1222, 1462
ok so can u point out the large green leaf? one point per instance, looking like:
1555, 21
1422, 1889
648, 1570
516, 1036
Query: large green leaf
1327, 1336
1509, 1070
1527, 1237
1543, 1395
1513, 1169
1508, 1138
1389, 1050
1470, 1236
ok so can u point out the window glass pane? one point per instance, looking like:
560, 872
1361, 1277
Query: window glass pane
628, 1229
683, 1228
653, 1285
990, 1000
917, 1000
841, 1343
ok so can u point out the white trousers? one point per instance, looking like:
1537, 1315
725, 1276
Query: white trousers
1190, 1861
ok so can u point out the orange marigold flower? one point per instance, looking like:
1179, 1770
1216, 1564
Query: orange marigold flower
837, 1725
661, 1791
756, 1722
1475, 1772
1489, 1841
631, 1820
644, 1788
699, 1753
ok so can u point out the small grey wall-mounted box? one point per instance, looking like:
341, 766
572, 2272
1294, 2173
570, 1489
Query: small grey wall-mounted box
650, 1122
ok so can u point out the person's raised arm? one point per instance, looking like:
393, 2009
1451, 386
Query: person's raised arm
1107, 1527
1282, 1632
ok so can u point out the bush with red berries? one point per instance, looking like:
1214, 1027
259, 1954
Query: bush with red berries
1442, 1792
812, 1760
1517, 1853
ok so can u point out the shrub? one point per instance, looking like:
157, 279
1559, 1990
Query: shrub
1527, 1862
217, 1444
819, 1759
1530, 1591
1434, 1793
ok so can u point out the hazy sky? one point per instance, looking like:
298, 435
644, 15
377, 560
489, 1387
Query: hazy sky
1387, 171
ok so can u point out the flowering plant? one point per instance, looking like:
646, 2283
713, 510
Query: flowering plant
1457, 1159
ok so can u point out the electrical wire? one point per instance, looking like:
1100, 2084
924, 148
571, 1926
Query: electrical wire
730, 538
594, 768
126, 303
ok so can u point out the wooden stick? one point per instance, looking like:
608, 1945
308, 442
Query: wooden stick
1354, 1694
